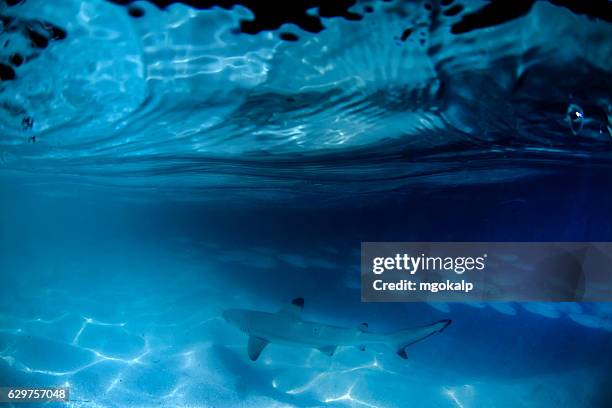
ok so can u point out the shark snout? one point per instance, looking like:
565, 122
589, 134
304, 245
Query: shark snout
237, 318
231, 316
226, 315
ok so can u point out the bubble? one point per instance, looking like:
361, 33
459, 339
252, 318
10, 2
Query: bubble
575, 118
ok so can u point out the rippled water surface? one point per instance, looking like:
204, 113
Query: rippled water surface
385, 93
161, 161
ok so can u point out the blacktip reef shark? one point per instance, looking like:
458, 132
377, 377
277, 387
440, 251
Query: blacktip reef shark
287, 327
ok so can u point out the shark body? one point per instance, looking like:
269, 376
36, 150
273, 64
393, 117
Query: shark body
287, 327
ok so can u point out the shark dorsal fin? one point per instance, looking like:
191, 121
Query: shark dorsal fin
363, 327
329, 350
293, 309
256, 346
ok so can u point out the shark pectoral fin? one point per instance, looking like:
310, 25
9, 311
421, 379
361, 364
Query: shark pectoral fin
361, 347
294, 309
363, 327
329, 350
256, 346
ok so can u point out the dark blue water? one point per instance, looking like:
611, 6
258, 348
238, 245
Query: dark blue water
162, 162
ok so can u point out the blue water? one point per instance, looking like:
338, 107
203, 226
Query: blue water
160, 163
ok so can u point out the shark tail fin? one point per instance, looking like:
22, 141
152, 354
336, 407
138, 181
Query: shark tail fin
405, 338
